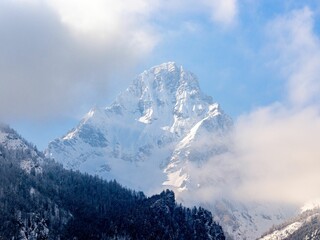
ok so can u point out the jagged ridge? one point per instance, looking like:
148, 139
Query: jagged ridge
152, 127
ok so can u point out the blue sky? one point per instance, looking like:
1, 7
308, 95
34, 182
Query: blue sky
59, 58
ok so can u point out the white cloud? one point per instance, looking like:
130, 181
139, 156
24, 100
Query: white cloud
223, 11
297, 51
279, 154
106, 20
59, 55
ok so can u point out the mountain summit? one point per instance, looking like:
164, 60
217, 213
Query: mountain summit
164, 132
147, 137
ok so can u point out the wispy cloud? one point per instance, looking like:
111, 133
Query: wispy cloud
223, 11
277, 145
297, 55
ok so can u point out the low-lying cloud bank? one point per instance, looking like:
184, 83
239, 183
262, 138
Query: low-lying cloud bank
279, 154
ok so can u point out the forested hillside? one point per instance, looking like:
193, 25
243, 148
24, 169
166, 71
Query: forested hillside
45, 201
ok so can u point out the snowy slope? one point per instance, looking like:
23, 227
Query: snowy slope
248, 220
284, 232
162, 132
304, 226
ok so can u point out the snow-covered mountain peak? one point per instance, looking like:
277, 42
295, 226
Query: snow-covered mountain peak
165, 89
161, 114
159, 133
162, 132
169, 67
